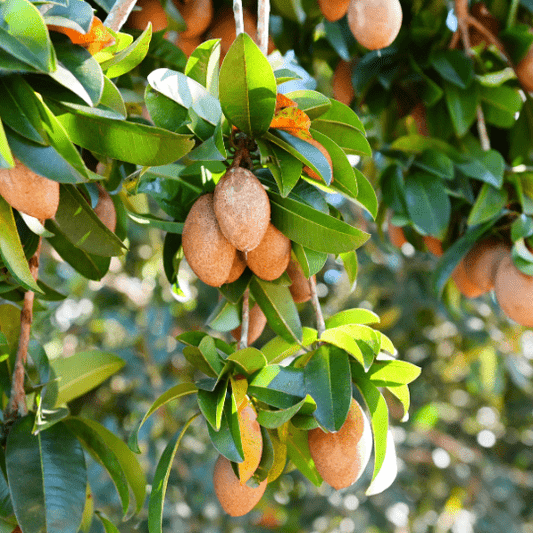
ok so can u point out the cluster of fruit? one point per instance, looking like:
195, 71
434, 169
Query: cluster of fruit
339, 457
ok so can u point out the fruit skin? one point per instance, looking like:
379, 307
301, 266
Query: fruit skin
341, 457
481, 262
433, 245
187, 46
312, 173
105, 209
256, 324
343, 90
375, 23
197, 14
396, 235
271, 258
463, 283
300, 288
235, 499
524, 71
237, 268
151, 11
207, 251
29, 192
252, 440
333, 9
514, 292
242, 208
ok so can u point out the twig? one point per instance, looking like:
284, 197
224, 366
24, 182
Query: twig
119, 14
320, 324
239, 17
263, 11
17, 399
482, 130
245, 320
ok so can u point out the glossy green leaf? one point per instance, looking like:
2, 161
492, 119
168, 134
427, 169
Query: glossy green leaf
211, 403
275, 419
401, 393
225, 316
160, 482
277, 349
311, 261
352, 316
285, 168
279, 308
178, 391
340, 338
462, 106
339, 114
312, 103
489, 202
521, 227
393, 372
6, 157
389, 469
298, 453
435, 163
313, 229
454, 66
487, 166
327, 381
282, 75
500, 105
351, 266
247, 87
203, 65
249, 359
6, 507
109, 527
279, 386
227, 440
11, 251
47, 478
416, 144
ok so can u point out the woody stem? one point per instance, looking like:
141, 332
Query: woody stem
119, 14
263, 10
320, 324
243, 343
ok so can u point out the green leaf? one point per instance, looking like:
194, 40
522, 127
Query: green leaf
454, 66
160, 482
109, 527
225, 316
462, 105
125, 141
47, 477
247, 87
275, 419
435, 163
79, 374
521, 227
6, 507
351, 266
277, 349
279, 308
282, 75
389, 469
227, 440
6, 157
501, 104
11, 251
310, 260
312, 103
285, 168
130, 57
416, 144
487, 166
249, 359
203, 65
339, 114
279, 386
313, 229
298, 452
401, 392
428, 203
489, 202
211, 403
183, 389
352, 316
393, 372
340, 338
327, 381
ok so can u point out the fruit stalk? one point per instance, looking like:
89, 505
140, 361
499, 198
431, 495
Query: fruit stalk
17, 400
263, 11
243, 343
239, 17
320, 324
119, 14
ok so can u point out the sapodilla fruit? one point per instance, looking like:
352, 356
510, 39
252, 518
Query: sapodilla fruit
514, 292
197, 14
208, 252
188, 46
433, 245
235, 499
29, 192
311, 173
524, 71
242, 208
341, 457
256, 324
375, 23
237, 268
251, 438
105, 209
300, 288
271, 258
333, 9
463, 283
343, 90
481, 262
150, 11
396, 235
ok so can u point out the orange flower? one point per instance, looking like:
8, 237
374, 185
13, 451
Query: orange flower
97, 38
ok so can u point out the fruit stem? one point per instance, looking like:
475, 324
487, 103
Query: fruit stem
320, 324
243, 343
17, 399
263, 11
119, 14
239, 18
511, 18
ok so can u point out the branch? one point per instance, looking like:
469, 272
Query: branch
119, 14
239, 17
17, 400
263, 10
243, 343
320, 324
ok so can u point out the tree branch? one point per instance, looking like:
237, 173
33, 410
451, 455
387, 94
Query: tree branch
243, 343
119, 14
239, 17
320, 324
263, 11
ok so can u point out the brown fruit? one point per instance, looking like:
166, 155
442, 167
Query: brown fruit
271, 258
375, 23
28, 192
188, 46
237, 268
242, 208
434, 245
150, 11
341, 457
343, 90
463, 283
333, 9
235, 499
481, 262
207, 251
105, 209
256, 324
197, 14
312, 173
300, 288
524, 71
514, 292
396, 235
252, 440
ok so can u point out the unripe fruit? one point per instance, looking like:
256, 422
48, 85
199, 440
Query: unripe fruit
434, 245
207, 251
237, 268
300, 288
341, 457
150, 11
28, 192
256, 324
343, 90
375, 23
463, 283
312, 173
271, 258
105, 209
481, 262
514, 292
524, 71
235, 499
396, 235
333, 9
197, 14
251, 438
242, 208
